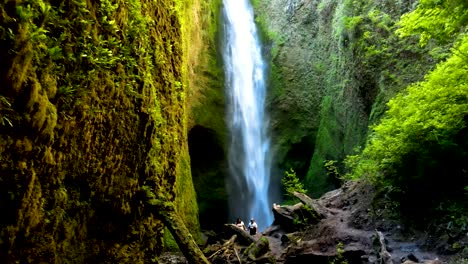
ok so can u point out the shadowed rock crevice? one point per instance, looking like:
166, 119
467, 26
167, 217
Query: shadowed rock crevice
207, 158
299, 155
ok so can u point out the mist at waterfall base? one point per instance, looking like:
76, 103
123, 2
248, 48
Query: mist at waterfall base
250, 190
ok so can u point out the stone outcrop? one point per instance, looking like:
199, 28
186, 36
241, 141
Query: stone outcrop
257, 249
294, 217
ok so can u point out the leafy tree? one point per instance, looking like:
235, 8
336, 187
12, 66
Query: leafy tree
420, 146
428, 113
439, 19
291, 184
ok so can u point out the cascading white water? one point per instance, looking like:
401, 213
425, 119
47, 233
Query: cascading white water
249, 162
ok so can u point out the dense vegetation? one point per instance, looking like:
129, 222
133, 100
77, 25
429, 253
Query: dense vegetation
390, 80
92, 109
420, 147
334, 66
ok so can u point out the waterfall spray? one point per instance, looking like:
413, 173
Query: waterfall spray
248, 184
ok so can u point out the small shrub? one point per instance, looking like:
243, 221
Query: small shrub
339, 258
291, 183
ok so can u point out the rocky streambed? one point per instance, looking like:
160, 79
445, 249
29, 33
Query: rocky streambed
343, 226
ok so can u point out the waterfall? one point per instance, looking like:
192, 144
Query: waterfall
248, 184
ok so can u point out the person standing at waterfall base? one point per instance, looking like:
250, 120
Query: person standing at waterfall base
252, 227
240, 224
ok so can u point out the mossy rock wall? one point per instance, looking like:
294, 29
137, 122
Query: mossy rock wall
207, 127
93, 99
334, 66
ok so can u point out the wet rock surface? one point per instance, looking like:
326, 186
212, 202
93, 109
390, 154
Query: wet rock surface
172, 258
346, 227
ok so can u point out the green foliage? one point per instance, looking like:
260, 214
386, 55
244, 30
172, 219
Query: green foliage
205, 98
332, 169
339, 258
170, 243
206, 93
351, 23
419, 148
299, 221
366, 65
329, 147
92, 108
438, 19
427, 113
5, 112
310, 215
305, 216
455, 217
291, 184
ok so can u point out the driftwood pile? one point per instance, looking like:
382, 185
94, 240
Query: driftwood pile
227, 250
237, 249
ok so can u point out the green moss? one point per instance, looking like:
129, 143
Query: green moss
186, 202
98, 90
206, 96
356, 64
257, 249
169, 242
207, 87
328, 147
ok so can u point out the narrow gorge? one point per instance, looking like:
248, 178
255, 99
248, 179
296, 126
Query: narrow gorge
139, 131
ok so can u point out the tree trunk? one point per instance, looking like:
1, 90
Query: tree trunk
313, 204
385, 257
176, 226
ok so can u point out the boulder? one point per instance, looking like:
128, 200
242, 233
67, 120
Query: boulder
293, 218
208, 237
273, 231
266, 259
172, 258
317, 252
295, 237
284, 216
258, 249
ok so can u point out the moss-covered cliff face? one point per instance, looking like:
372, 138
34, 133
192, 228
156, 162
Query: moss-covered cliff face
92, 108
335, 64
207, 127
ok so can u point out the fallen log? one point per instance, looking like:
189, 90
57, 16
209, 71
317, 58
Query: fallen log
385, 257
243, 237
321, 211
166, 211
237, 255
225, 246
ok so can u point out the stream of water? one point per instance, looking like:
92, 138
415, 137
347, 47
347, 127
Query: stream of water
249, 158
